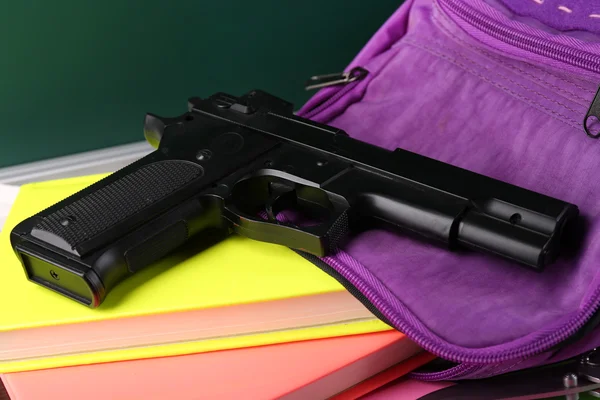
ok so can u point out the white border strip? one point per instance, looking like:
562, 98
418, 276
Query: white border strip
87, 163
8, 194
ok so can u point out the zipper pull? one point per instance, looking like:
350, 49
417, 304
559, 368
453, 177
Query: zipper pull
321, 81
593, 118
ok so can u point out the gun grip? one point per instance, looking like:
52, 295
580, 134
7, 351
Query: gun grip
82, 246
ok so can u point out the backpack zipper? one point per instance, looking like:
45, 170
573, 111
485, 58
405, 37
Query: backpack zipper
536, 45
345, 81
325, 267
533, 44
593, 115
455, 372
398, 321
321, 81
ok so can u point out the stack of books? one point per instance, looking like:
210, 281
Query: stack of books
241, 319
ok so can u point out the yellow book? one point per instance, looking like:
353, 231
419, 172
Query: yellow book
237, 293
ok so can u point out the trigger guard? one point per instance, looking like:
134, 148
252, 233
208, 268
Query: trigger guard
241, 211
319, 240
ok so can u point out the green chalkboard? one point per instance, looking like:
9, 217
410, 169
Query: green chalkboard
78, 76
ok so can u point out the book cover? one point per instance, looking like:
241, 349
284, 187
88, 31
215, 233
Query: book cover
251, 293
313, 369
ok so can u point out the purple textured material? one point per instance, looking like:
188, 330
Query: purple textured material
562, 15
444, 88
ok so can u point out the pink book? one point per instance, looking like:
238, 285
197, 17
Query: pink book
406, 389
310, 369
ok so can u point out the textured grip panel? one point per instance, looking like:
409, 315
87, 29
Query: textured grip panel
90, 215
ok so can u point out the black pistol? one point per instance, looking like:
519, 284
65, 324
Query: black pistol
234, 164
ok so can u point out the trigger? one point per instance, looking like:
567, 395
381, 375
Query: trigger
281, 196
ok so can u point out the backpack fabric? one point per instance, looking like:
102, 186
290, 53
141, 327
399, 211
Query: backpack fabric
472, 84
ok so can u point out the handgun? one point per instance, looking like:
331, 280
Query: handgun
235, 164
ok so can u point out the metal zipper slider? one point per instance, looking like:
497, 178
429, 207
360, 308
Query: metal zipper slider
592, 117
321, 81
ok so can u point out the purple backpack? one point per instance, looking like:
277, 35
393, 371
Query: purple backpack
503, 91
